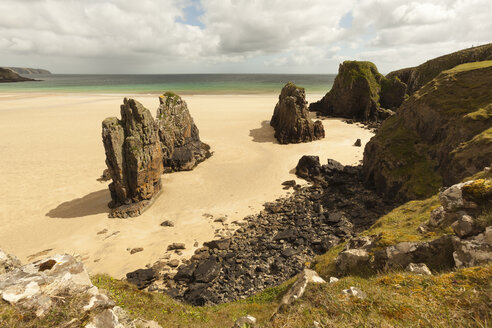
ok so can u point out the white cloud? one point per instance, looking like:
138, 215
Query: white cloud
245, 35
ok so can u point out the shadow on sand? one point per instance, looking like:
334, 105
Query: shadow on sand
263, 134
91, 204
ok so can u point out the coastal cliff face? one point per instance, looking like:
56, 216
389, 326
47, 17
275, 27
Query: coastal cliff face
291, 117
134, 159
440, 135
7, 75
360, 92
178, 134
416, 77
25, 70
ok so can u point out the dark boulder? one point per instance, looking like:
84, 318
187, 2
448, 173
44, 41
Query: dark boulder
308, 167
291, 117
141, 278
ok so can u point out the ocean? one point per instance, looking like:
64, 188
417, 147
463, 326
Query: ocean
179, 83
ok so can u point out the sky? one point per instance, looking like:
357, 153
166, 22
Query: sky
235, 36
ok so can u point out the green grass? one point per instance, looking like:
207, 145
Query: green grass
354, 70
468, 67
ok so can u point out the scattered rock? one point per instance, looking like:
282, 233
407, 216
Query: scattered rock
333, 280
8, 262
465, 226
102, 232
355, 292
358, 143
136, 250
245, 322
473, 251
167, 223
134, 159
274, 245
141, 278
291, 117
173, 263
297, 290
179, 136
176, 246
221, 219
352, 261
418, 268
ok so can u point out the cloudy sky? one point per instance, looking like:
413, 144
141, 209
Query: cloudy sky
235, 36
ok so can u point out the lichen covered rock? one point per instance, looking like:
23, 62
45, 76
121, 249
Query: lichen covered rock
291, 117
178, 134
134, 159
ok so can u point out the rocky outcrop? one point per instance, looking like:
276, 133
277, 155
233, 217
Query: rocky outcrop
274, 245
291, 117
440, 135
178, 134
8, 262
7, 75
31, 71
416, 77
37, 288
465, 207
134, 159
361, 93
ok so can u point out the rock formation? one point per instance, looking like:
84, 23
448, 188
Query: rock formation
360, 92
440, 135
416, 77
291, 117
45, 287
134, 159
465, 208
178, 134
7, 75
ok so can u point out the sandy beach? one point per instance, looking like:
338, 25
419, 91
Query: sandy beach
51, 155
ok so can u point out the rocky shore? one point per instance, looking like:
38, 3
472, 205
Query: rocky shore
277, 243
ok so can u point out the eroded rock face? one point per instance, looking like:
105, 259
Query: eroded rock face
357, 92
179, 136
134, 159
291, 117
428, 143
8, 262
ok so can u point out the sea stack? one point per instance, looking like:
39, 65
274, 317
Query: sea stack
134, 159
360, 92
291, 117
180, 140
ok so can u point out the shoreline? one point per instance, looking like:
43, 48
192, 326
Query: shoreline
52, 154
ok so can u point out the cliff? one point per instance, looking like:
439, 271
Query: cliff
360, 92
440, 135
7, 75
416, 77
24, 70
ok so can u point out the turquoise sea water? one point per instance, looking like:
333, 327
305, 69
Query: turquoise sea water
180, 83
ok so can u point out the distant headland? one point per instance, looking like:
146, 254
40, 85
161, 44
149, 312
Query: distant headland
13, 74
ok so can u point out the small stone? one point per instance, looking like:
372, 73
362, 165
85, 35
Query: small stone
178, 253
102, 232
246, 321
173, 263
357, 143
464, 227
136, 250
167, 223
419, 268
354, 291
221, 219
289, 183
333, 280
195, 244
175, 246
